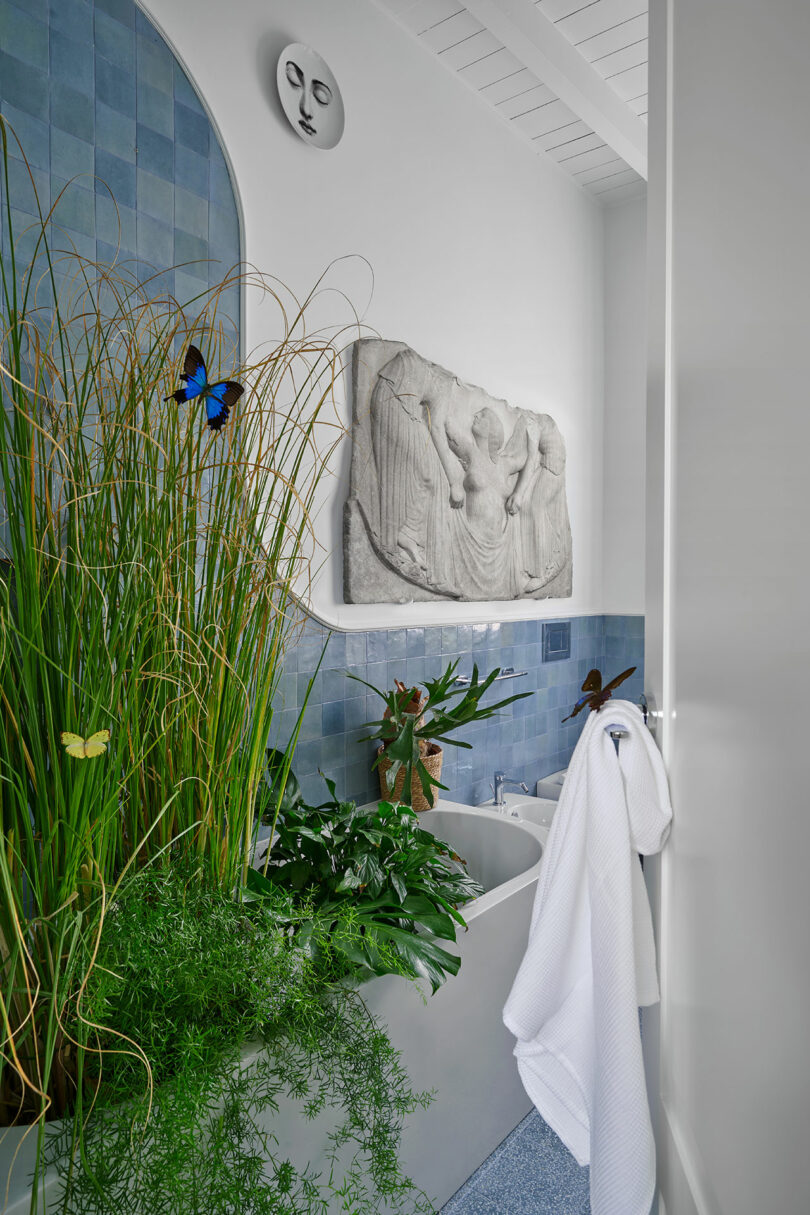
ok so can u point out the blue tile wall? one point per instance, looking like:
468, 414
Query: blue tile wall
101, 105
528, 738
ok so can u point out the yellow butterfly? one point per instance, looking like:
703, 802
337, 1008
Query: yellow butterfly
85, 748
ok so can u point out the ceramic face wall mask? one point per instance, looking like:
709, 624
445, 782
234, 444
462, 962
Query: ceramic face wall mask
310, 96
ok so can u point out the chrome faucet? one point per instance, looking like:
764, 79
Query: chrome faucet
502, 779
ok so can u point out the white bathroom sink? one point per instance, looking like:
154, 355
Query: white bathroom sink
537, 810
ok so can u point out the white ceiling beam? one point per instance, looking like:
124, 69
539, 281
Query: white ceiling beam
540, 46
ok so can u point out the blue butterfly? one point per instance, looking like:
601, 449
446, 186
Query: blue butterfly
219, 398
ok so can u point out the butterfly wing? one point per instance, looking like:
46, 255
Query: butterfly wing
193, 375
614, 683
593, 681
81, 748
73, 744
219, 400
581, 703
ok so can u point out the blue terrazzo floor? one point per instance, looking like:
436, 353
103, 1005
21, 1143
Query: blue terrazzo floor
530, 1173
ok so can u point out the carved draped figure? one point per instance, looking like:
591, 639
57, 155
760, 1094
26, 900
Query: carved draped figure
413, 502
465, 552
546, 531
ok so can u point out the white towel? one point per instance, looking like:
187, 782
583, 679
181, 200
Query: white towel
590, 962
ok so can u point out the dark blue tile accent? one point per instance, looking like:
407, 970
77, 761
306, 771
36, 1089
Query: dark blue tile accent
27, 35
191, 129
556, 640
155, 153
118, 175
72, 111
25, 87
115, 88
114, 42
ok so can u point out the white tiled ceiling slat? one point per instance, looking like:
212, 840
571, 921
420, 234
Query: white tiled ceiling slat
611, 35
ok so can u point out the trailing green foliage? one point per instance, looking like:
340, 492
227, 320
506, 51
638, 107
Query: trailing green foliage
413, 719
190, 975
381, 891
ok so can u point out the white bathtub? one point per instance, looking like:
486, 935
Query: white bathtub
453, 1042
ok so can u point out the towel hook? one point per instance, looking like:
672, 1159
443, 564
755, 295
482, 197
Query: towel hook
617, 733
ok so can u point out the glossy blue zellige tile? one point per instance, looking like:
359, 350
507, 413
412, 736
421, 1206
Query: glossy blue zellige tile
114, 42
72, 111
191, 171
71, 156
191, 128
155, 153
25, 35
25, 87
72, 62
114, 87
118, 175
74, 18
155, 196
33, 134
122, 10
155, 109
115, 132
155, 67
184, 91
115, 224
155, 242
191, 214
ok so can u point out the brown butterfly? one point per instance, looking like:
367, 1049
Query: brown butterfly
596, 695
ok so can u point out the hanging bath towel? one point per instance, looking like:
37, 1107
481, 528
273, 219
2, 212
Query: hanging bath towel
590, 962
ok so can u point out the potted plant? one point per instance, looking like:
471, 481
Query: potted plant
415, 721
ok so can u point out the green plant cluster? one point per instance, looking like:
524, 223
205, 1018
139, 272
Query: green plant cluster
373, 887
146, 574
189, 975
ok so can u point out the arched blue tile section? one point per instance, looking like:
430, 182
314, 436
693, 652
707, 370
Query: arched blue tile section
92, 89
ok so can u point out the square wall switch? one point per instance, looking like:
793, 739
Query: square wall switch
556, 640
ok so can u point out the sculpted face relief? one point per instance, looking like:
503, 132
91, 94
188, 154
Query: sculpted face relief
310, 96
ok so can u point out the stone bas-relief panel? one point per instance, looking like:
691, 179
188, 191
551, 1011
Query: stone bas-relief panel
453, 493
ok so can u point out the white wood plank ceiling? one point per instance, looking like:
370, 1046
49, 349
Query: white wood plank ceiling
569, 75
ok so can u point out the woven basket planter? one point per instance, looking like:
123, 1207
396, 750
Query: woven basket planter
432, 761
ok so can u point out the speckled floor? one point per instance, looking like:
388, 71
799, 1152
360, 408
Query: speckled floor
530, 1173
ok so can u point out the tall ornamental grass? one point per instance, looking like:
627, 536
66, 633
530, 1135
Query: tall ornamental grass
146, 574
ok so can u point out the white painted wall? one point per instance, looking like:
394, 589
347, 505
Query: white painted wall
625, 406
735, 899
487, 259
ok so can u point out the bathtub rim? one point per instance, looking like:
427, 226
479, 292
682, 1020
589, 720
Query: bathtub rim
491, 898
